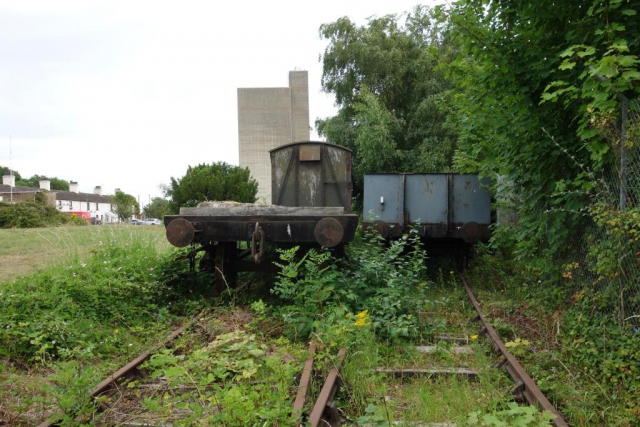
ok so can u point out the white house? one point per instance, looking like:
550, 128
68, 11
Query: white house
97, 205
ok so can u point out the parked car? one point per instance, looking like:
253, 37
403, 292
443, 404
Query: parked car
136, 222
95, 221
152, 221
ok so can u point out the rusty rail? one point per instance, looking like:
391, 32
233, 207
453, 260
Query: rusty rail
305, 379
523, 381
326, 396
108, 383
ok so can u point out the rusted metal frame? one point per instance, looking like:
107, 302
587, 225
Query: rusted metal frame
108, 383
328, 391
276, 228
286, 178
529, 388
333, 177
224, 256
305, 379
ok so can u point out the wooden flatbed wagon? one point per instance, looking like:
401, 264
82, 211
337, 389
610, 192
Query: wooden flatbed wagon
311, 188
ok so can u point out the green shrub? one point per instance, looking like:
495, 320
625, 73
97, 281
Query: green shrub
35, 214
386, 286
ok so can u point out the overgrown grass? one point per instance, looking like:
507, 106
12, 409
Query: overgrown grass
63, 328
24, 251
378, 305
581, 359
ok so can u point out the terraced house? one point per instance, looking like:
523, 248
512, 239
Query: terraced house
94, 205
88, 205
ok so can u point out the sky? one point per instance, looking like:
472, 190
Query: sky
126, 94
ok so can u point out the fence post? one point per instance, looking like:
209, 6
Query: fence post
623, 155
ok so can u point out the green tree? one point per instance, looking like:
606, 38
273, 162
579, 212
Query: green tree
509, 52
158, 208
217, 181
4, 170
125, 205
394, 99
55, 183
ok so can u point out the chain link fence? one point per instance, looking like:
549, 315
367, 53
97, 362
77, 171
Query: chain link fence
608, 255
615, 249
604, 256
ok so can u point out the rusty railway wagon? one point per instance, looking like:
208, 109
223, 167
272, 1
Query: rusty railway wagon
446, 208
311, 194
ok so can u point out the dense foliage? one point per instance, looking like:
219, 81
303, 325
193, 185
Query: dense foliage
394, 99
386, 286
512, 61
158, 208
35, 214
217, 181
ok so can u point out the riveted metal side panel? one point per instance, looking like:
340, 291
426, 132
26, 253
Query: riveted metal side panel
389, 187
471, 201
426, 198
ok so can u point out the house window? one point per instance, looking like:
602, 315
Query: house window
59, 204
88, 208
97, 207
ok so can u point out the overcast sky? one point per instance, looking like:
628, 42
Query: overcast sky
129, 93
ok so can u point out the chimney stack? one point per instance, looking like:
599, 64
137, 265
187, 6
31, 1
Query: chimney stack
74, 187
45, 184
97, 190
9, 180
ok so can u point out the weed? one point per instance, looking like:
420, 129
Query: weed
389, 283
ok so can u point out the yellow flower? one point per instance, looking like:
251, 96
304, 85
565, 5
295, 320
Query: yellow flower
474, 337
362, 319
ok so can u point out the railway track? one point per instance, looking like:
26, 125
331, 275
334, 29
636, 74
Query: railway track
126, 373
524, 388
325, 410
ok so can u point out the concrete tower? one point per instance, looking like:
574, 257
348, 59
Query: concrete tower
268, 118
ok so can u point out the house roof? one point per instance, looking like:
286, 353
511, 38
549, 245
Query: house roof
81, 197
7, 189
60, 195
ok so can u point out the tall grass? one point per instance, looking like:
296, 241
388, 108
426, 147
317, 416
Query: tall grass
23, 251
93, 305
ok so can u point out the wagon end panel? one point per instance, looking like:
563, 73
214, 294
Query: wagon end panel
337, 177
284, 169
384, 200
471, 200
